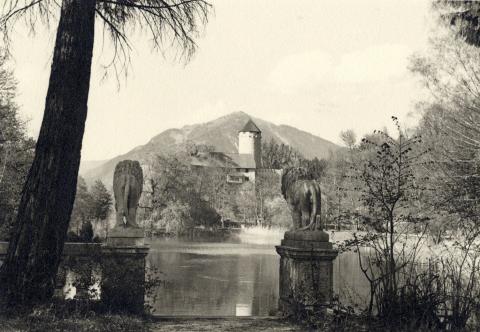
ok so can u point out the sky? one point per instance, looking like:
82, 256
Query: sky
321, 66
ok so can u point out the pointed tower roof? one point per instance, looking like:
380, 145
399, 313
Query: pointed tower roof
251, 127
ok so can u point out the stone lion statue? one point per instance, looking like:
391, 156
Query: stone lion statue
127, 188
303, 194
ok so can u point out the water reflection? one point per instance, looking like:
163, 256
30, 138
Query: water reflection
243, 309
349, 282
200, 279
234, 279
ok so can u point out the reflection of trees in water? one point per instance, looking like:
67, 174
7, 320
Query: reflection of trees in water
200, 284
265, 294
197, 284
349, 282
257, 287
218, 284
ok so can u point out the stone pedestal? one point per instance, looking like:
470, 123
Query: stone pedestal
126, 236
306, 272
123, 262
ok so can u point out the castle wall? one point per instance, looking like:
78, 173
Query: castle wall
250, 174
251, 143
258, 151
246, 143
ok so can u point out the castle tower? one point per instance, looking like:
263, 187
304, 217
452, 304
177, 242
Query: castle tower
250, 142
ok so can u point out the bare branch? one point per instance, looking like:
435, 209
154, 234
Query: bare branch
30, 10
175, 21
170, 23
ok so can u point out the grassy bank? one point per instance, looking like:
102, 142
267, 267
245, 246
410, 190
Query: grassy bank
45, 320
92, 323
88, 316
69, 316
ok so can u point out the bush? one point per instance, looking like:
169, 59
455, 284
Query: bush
176, 218
86, 232
85, 235
203, 214
72, 237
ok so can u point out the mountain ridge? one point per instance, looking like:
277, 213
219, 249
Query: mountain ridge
222, 133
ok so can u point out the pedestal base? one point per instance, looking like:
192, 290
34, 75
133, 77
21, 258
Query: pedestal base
123, 261
306, 272
123, 282
126, 236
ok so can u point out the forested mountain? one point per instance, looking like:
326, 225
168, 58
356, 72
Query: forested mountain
222, 134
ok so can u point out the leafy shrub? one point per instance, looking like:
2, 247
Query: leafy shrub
86, 232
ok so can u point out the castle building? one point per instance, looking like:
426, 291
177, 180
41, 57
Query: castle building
244, 164
250, 142
249, 157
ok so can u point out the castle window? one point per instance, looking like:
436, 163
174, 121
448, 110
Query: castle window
236, 178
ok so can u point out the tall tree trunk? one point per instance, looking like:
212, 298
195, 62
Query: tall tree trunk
28, 273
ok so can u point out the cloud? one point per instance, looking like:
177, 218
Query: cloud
301, 71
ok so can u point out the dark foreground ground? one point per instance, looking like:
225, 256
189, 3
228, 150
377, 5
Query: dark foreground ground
122, 323
224, 324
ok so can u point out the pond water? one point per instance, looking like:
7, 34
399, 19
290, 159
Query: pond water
238, 277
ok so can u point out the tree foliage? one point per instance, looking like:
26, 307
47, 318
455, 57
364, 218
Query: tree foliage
176, 218
172, 181
91, 207
450, 127
349, 138
102, 201
340, 194
82, 208
279, 155
16, 151
388, 176
463, 16
389, 190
